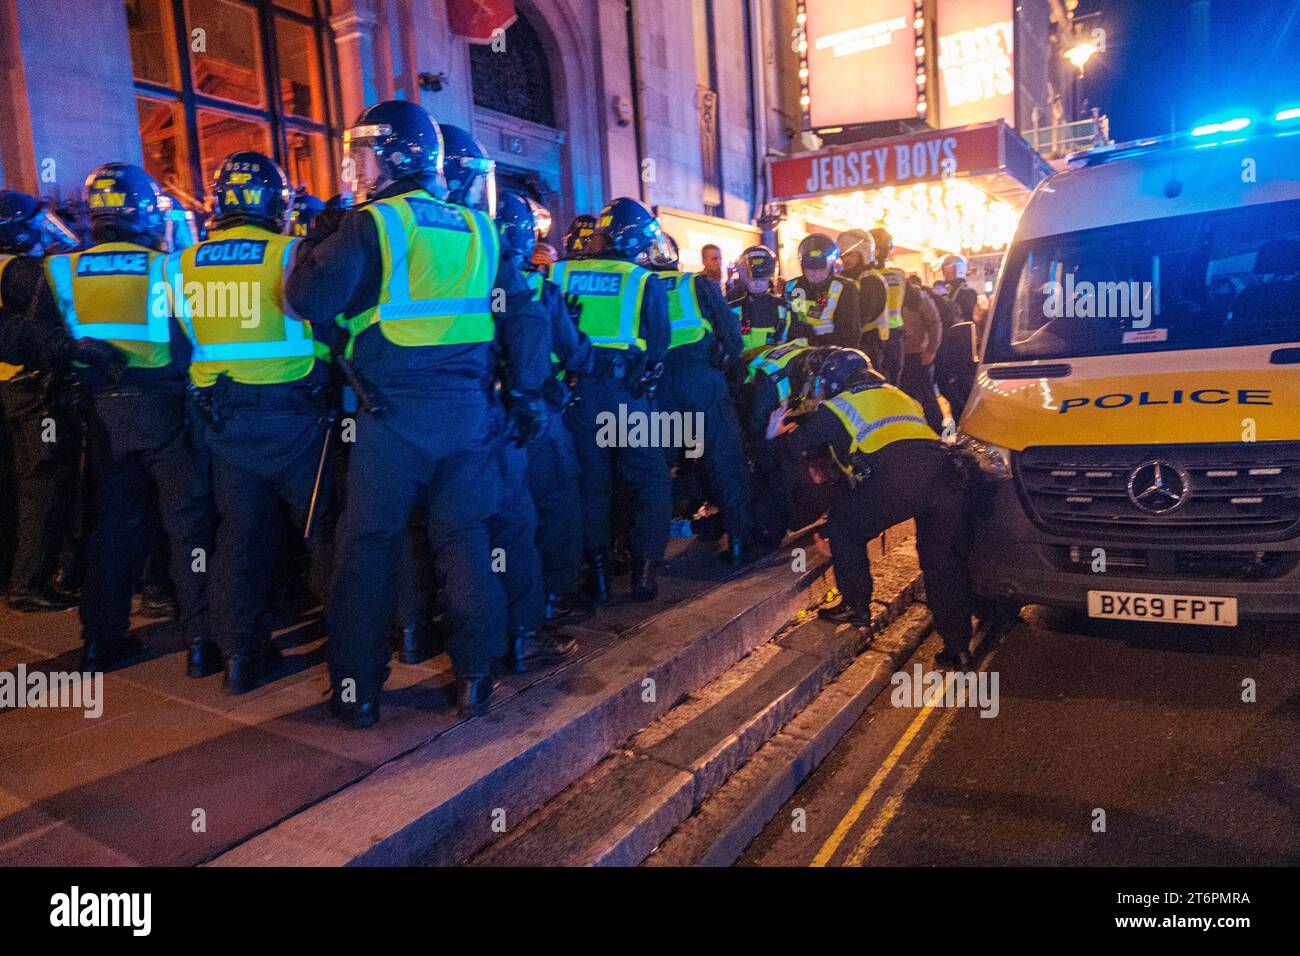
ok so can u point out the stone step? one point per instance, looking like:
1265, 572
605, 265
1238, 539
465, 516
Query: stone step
633, 800
450, 797
725, 824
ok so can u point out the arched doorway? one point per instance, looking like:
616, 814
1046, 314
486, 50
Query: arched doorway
540, 127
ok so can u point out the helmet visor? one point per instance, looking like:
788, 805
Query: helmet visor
56, 235
660, 254
480, 191
362, 173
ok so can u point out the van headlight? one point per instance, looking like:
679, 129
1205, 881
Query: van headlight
993, 460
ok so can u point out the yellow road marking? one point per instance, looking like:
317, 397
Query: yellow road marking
877, 828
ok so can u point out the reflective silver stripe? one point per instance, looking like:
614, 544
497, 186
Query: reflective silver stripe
295, 343
400, 306
865, 428
825, 324
155, 329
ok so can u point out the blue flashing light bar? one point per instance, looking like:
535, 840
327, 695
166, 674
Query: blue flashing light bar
1227, 126
1291, 113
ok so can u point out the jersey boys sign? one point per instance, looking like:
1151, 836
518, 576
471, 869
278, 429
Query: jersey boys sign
889, 162
975, 59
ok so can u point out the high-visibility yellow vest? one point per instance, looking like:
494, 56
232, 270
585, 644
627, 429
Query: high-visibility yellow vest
440, 264
773, 362
688, 323
878, 415
895, 285
7, 371
229, 290
115, 291
815, 313
759, 337
611, 292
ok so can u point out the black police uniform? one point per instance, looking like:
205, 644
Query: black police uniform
913, 478
433, 444
612, 384
693, 382
141, 437
41, 488
553, 472
847, 320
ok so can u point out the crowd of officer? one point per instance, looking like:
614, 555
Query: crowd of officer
396, 403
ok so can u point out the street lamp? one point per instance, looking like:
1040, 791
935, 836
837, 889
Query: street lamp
1080, 53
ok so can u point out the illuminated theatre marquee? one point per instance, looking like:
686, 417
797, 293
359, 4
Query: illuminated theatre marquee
976, 60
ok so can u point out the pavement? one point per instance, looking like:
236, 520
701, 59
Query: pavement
175, 772
1113, 744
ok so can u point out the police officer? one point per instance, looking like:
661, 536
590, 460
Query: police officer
775, 374
705, 339
38, 426
577, 240
552, 462
956, 363
824, 305
258, 378
303, 212
763, 316
882, 288
471, 182
869, 442
624, 311
415, 277
138, 423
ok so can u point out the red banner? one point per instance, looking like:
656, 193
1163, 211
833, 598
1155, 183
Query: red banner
897, 161
478, 20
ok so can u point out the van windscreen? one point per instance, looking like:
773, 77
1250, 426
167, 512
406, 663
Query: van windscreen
1206, 280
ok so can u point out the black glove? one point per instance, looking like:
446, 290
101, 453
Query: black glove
99, 355
574, 305
649, 381
326, 222
528, 417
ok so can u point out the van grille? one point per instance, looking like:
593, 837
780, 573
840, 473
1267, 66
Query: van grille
1237, 492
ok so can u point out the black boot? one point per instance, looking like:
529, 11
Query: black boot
598, 576
844, 613
43, 600
529, 651
415, 644
562, 609
644, 585
359, 715
102, 653
471, 697
954, 659
244, 672
204, 657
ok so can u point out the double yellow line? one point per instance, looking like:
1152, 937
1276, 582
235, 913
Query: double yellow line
882, 819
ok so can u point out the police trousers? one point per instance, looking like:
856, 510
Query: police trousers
553, 483
435, 451
691, 386
513, 532
264, 460
45, 448
917, 381
605, 403
142, 438
909, 479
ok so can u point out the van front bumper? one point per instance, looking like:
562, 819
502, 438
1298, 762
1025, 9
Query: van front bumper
1014, 561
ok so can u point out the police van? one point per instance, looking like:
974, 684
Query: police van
1137, 408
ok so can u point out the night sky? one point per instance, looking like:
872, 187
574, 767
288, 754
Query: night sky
1151, 75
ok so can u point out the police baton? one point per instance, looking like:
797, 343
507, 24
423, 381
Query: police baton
312, 508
